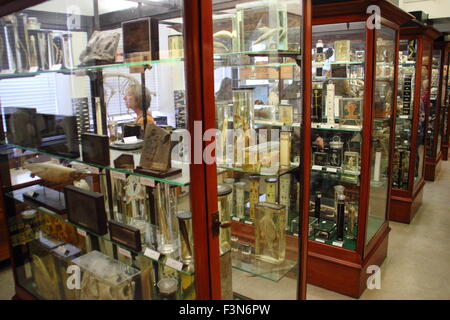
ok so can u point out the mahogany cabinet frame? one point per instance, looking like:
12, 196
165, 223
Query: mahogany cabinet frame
331, 267
199, 79
406, 202
432, 163
446, 104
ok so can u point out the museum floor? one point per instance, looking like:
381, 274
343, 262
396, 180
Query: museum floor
417, 266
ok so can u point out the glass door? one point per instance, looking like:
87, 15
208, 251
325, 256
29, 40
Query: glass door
384, 102
258, 103
339, 60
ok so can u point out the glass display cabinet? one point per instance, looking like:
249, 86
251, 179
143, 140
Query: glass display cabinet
353, 104
416, 43
445, 125
434, 133
102, 103
258, 84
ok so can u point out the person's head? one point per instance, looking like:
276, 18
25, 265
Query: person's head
133, 98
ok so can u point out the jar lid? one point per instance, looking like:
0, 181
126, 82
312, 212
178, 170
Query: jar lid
184, 215
223, 189
341, 197
228, 180
167, 285
240, 184
271, 180
339, 188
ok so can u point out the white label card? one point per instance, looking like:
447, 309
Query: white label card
132, 139
338, 243
314, 167
320, 240
236, 219
124, 252
147, 182
62, 250
152, 254
118, 175
56, 67
34, 69
94, 170
177, 265
81, 232
248, 222
332, 170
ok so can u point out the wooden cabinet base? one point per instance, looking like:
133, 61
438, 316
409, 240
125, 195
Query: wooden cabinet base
22, 294
432, 168
343, 276
403, 209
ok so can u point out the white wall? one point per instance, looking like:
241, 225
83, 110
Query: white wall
435, 8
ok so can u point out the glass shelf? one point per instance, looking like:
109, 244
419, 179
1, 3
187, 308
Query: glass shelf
288, 54
271, 172
217, 64
275, 123
330, 63
179, 180
269, 271
17, 195
320, 126
346, 177
77, 70
336, 79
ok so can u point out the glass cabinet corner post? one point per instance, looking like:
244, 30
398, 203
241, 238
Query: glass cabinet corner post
412, 99
81, 100
434, 132
258, 84
446, 103
352, 119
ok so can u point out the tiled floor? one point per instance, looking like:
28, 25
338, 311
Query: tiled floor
417, 266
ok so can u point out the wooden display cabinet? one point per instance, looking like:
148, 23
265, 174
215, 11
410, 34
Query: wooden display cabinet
353, 120
416, 42
445, 102
199, 256
434, 134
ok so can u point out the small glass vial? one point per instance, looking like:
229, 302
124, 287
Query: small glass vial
254, 196
340, 217
168, 288
167, 221
317, 206
270, 238
185, 227
339, 189
223, 193
240, 199
271, 190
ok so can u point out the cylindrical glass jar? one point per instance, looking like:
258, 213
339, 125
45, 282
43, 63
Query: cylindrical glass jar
254, 195
168, 288
223, 193
185, 226
285, 149
166, 219
230, 182
271, 189
240, 199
